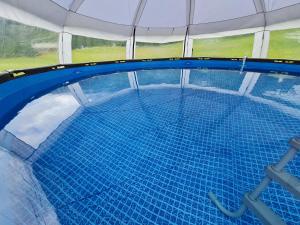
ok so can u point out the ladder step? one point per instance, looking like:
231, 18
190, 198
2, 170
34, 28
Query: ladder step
262, 211
291, 183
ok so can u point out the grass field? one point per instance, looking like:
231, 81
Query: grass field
237, 46
283, 44
159, 51
28, 62
98, 54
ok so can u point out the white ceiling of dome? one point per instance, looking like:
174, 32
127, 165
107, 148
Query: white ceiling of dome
115, 11
216, 10
277, 4
113, 19
164, 13
64, 3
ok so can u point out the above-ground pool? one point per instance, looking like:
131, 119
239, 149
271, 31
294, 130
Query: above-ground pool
144, 146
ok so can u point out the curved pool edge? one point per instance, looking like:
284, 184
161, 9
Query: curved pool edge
164, 128
20, 86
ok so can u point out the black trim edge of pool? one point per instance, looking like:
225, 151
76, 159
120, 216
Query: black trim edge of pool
15, 74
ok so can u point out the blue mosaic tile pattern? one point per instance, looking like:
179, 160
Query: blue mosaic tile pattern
151, 156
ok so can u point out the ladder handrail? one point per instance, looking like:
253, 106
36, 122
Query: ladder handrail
285, 159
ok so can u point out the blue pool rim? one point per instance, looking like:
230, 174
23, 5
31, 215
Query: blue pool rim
20, 86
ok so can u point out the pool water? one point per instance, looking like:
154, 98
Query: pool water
145, 147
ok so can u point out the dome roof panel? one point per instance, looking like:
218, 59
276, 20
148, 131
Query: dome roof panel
164, 13
207, 11
151, 18
114, 11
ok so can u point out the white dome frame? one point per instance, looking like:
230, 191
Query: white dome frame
48, 14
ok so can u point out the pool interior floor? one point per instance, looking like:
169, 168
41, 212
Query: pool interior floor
151, 156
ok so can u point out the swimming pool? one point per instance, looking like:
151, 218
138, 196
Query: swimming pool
146, 146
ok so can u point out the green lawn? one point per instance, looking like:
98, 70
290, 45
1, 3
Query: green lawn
28, 62
95, 54
158, 51
283, 44
236, 46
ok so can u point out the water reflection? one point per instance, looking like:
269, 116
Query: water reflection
217, 79
283, 89
88, 120
157, 77
101, 88
41, 117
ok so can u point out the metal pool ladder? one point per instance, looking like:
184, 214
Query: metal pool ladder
273, 173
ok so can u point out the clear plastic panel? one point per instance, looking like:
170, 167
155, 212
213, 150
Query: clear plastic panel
92, 50
285, 44
24, 46
154, 50
233, 46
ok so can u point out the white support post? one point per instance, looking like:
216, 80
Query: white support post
130, 55
188, 51
188, 42
260, 50
261, 44
65, 48
130, 44
130, 48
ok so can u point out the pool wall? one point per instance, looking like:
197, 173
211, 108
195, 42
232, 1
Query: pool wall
31, 84
19, 87
23, 200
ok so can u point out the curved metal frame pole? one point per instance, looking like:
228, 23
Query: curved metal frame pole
295, 147
235, 214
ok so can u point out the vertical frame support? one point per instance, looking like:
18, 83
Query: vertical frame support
188, 42
260, 50
261, 44
261, 38
65, 48
131, 43
130, 47
188, 49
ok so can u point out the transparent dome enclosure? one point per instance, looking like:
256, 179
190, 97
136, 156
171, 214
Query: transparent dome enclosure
38, 33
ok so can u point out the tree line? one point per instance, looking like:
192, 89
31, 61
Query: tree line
18, 40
